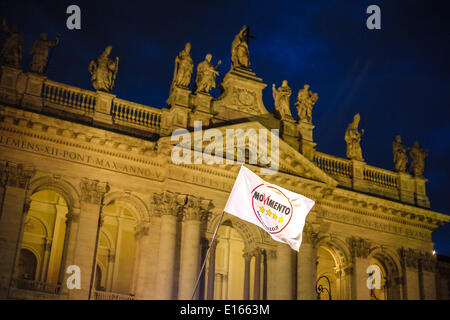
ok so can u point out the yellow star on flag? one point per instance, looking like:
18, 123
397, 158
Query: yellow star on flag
281, 220
274, 216
261, 209
269, 213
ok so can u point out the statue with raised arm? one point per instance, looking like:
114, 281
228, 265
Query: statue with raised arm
353, 139
206, 75
104, 71
183, 68
39, 50
400, 156
304, 103
281, 100
417, 159
11, 53
240, 56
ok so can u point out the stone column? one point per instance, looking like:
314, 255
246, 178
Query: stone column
285, 272
428, 268
15, 179
145, 261
172, 206
271, 274
257, 283
360, 251
247, 259
306, 278
195, 212
212, 270
92, 193
410, 266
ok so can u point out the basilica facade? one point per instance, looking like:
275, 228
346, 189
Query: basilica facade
88, 180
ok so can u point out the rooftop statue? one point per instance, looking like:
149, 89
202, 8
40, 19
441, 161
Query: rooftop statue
39, 50
305, 102
206, 75
104, 71
239, 49
417, 159
400, 156
281, 100
183, 68
11, 53
353, 139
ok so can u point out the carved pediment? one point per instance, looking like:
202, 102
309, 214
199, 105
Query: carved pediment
290, 161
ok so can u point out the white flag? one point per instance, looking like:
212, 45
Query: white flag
280, 212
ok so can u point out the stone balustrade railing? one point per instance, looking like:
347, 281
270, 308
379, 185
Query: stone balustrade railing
333, 165
136, 114
381, 177
103, 295
33, 285
71, 97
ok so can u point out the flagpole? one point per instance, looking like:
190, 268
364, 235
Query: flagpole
206, 256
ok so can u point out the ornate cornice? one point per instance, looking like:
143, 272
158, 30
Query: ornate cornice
92, 191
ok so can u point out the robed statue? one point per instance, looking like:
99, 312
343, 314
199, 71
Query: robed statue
206, 75
11, 53
305, 102
104, 71
239, 50
183, 68
400, 156
281, 100
353, 139
417, 159
39, 50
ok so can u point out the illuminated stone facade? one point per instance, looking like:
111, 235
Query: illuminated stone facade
87, 179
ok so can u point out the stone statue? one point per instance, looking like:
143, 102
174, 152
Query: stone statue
353, 139
183, 68
239, 50
305, 103
281, 99
12, 49
206, 75
417, 159
400, 156
104, 71
39, 50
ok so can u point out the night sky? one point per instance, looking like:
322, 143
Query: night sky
397, 78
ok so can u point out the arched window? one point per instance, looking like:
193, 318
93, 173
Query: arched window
26, 268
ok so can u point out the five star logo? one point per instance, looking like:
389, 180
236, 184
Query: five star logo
271, 207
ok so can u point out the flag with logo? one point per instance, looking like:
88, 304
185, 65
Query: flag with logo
280, 212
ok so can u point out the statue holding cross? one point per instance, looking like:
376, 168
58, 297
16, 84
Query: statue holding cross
240, 56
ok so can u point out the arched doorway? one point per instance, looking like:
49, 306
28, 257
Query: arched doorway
390, 285
327, 277
43, 237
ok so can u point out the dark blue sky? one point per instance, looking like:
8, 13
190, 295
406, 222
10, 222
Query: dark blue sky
397, 78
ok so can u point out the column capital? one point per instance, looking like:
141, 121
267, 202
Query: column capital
409, 257
92, 191
17, 174
169, 203
359, 247
198, 209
